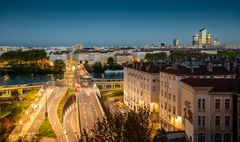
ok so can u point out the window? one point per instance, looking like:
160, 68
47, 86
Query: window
201, 137
217, 137
169, 107
217, 104
203, 103
174, 98
217, 121
227, 104
174, 110
169, 96
227, 137
201, 120
161, 92
199, 103
227, 121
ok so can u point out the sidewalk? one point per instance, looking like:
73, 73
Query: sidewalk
21, 130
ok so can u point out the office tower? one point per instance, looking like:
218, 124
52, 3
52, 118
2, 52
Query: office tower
176, 42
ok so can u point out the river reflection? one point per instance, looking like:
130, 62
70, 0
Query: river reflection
13, 79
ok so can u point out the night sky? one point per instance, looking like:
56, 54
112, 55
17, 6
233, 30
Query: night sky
115, 22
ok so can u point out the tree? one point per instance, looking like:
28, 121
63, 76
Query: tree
156, 56
110, 61
161, 136
59, 65
15, 94
97, 68
129, 127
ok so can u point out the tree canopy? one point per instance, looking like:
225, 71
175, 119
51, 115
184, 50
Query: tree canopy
156, 56
59, 65
29, 55
129, 127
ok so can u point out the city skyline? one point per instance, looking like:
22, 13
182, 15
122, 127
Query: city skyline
43, 23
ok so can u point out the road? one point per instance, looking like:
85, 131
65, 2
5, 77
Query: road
90, 109
41, 115
56, 124
70, 124
28, 122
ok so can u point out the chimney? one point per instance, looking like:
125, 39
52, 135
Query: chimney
227, 65
175, 66
191, 67
210, 67
137, 65
141, 65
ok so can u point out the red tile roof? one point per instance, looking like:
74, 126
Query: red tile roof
217, 85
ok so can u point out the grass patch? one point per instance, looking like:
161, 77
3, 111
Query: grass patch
70, 91
27, 99
46, 130
113, 94
14, 111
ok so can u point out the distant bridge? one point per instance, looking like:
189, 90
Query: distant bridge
7, 89
106, 85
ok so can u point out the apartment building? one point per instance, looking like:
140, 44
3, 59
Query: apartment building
170, 92
211, 109
141, 87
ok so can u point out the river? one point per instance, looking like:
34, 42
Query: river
13, 79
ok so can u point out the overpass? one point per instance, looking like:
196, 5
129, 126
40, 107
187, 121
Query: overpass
106, 85
7, 89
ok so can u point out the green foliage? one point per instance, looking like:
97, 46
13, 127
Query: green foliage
15, 94
98, 68
181, 55
129, 127
30, 55
156, 56
110, 60
113, 94
229, 54
59, 65
31, 61
61, 103
45, 129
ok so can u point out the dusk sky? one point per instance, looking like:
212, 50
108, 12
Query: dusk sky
115, 22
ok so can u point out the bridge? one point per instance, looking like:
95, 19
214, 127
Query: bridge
107, 85
7, 89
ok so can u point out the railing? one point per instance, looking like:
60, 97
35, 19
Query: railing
68, 102
107, 80
23, 85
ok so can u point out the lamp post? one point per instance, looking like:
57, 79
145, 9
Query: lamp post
46, 113
20, 122
27, 115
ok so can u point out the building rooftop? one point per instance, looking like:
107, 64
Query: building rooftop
145, 66
184, 71
217, 85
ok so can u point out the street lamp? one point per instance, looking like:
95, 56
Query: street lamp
46, 113
27, 115
20, 122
